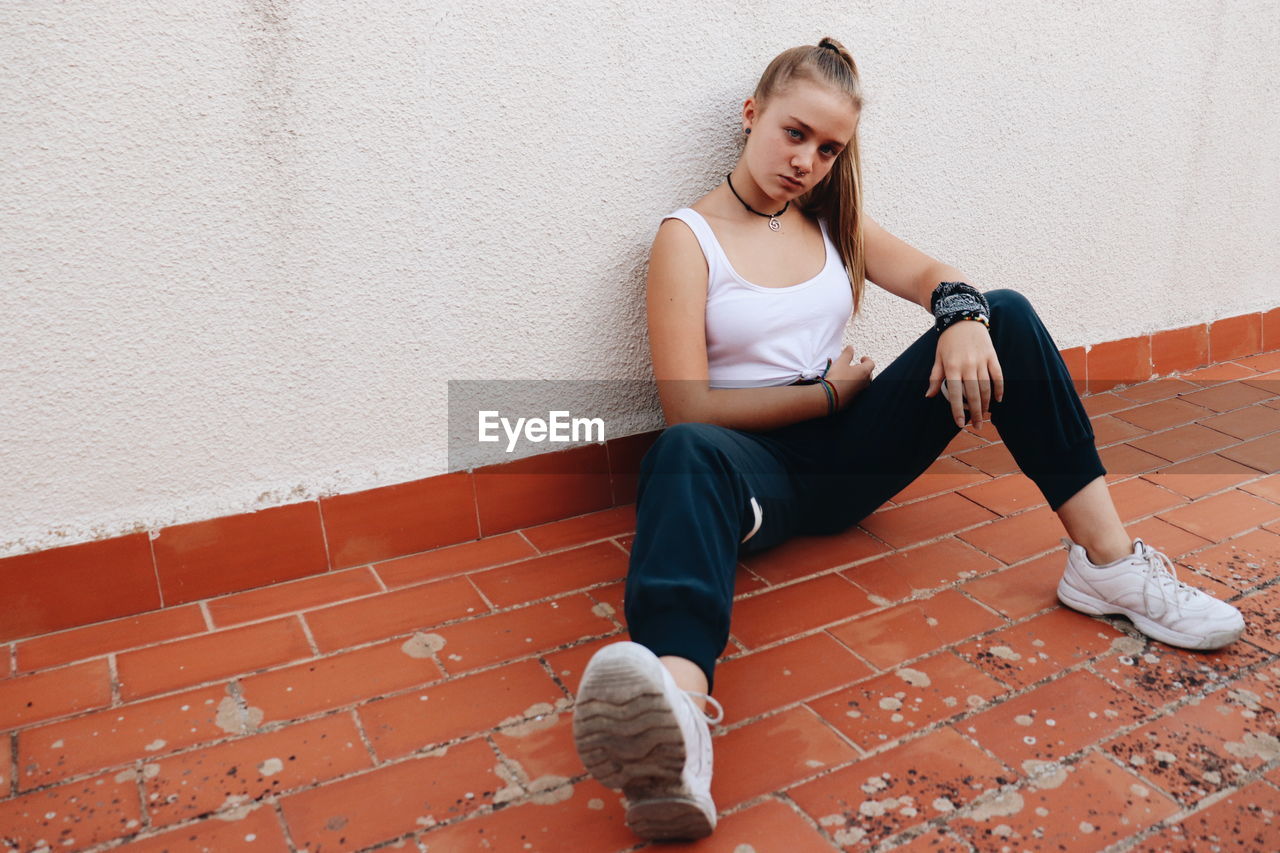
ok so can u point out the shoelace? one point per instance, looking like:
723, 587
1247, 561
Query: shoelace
719, 715
699, 756
1161, 574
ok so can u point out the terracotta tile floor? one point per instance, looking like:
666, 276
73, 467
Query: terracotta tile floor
911, 683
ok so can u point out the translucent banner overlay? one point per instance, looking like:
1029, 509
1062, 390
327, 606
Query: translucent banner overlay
1169, 427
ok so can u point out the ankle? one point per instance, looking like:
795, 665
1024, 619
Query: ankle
1102, 554
688, 676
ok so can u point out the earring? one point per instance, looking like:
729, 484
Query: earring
747, 131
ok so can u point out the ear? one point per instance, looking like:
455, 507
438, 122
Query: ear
750, 112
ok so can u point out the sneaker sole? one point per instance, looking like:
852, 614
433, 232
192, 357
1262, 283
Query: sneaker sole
1086, 603
628, 738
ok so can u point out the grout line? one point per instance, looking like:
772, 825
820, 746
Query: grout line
786, 800
278, 808
485, 568
613, 483
155, 566
364, 737
606, 610
1154, 784
311, 640
742, 567
113, 676
471, 581
439, 662
324, 538
536, 550
555, 677
144, 809
613, 540
203, 604
475, 504
875, 670
14, 772
842, 567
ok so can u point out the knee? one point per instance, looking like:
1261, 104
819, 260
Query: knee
1008, 303
1012, 313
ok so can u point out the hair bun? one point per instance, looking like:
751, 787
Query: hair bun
828, 43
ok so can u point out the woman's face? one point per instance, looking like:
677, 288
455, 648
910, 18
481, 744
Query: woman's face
796, 138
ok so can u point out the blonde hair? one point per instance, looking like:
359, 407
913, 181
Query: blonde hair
838, 197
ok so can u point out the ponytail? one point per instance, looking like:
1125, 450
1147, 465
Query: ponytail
838, 197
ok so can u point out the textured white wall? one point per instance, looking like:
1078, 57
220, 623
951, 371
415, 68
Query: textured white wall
244, 245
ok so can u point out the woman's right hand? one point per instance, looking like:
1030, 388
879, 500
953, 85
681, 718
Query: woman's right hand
850, 377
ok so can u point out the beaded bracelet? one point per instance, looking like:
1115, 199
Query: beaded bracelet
951, 319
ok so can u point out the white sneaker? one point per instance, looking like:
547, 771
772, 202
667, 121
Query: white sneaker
637, 731
1144, 587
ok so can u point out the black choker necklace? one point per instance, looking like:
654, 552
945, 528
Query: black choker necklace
774, 225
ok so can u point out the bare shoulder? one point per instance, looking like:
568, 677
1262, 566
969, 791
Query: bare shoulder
677, 299
676, 254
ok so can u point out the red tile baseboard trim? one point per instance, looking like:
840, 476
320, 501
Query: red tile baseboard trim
75, 585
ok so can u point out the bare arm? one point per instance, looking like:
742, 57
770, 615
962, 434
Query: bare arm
965, 353
677, 304
902, 269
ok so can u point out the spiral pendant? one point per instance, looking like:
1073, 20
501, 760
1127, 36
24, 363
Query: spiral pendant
774, 224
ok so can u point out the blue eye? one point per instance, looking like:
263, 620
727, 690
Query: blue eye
795, 134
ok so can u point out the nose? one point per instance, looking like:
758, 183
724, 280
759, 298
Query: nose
802, 162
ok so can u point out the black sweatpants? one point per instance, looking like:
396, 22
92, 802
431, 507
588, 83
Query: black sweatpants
697, 482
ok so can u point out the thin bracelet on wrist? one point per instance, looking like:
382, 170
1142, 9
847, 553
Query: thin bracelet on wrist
834, 393
826, 389
833, 396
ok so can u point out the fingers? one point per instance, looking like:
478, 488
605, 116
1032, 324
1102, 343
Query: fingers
973, 396
969, 382
984, 401
987, 395
970, 395
991, 389
936, 377
956, 392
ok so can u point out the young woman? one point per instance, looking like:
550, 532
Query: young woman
775, 430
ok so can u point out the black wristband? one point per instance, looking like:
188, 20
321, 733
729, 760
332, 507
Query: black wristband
953, 301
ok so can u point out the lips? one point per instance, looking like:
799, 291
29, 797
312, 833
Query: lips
791, 183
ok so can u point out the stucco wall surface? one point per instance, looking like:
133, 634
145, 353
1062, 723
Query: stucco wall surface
243, 246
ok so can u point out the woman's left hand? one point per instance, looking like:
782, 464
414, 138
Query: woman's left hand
967, 360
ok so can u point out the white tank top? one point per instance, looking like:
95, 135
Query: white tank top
760, 336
